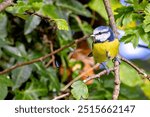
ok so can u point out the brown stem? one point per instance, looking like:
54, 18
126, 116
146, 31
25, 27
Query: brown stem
78, 77
5, 4
61, 96
98, 75
43, 57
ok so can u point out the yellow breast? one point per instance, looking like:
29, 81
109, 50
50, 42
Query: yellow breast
106, 50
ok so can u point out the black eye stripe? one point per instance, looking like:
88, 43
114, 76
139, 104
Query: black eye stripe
99, 33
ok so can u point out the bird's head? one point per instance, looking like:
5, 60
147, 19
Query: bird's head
102, 34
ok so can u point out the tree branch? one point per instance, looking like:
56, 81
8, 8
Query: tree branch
5, 4
97, 75
43, 57
116, 81
78, 77
61, 96
111, 17
116, 63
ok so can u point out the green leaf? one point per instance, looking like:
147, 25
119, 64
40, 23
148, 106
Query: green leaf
50, 10
3, 26
31, 24
135, 41
54, 82
127, 38
4, 83
146, 19
3, 90
143, 35
34, 90
21, 75
74, 6
93, 4
129, 76
13, 51
61, 24
6, 80
79, 90
131, 92
19, 8
147, 9
147, 28
37, 5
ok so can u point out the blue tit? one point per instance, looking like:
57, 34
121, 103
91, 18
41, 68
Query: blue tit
105, 46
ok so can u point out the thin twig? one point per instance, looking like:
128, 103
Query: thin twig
5, 4
116, 63
61, 96
43, 57
47, 40
98, 75
140, 71
39, 15
78, 77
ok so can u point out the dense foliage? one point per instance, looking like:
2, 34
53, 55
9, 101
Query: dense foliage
25, 36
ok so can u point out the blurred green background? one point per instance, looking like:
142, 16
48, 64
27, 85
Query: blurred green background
24, 37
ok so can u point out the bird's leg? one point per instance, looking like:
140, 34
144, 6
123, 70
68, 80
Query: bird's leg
117, 59
103, 65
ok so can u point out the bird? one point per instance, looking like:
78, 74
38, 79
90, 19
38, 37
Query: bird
105, 46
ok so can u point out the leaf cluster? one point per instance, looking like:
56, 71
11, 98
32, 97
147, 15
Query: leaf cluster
134, 19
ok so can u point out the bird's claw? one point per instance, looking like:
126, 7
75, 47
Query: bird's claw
105, 67
117, 59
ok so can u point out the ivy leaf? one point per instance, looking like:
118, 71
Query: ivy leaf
33, 90
3, 90
74, 6
21, 75
3, 26
54, 82
31, 23
13, 51
4, 83
62, 24
79, 90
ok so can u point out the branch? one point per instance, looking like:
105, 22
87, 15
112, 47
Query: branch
110, 16
78, 77
61, 96
5, 4
116, 63
39, 15
98, 75
43, 57
116, 81
140, 71
50, 42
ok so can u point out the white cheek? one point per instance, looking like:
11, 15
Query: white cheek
103, 37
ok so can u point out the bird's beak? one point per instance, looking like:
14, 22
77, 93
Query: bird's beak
92, 35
